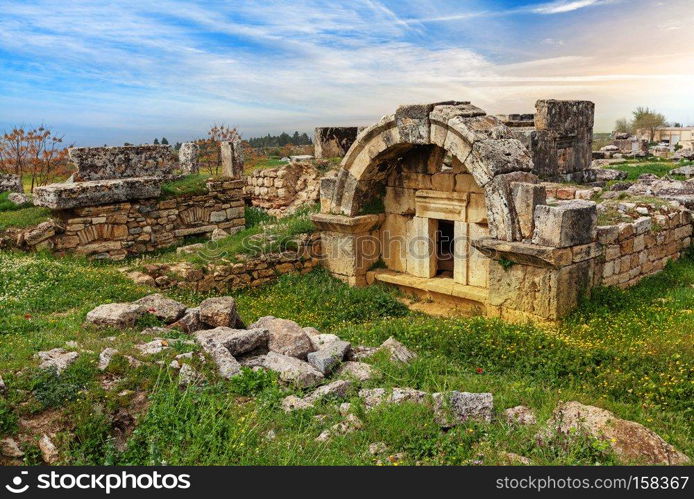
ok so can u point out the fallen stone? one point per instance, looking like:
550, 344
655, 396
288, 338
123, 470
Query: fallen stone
329, 357
218, 235
350, 424
3, 388
377, 448
113, 162
337, 388
629, 440
520, 414
292, 370
219, 312
49, 451
188, 375
318, 341
453, 408
10, 183
687, 171
118, 315
345, 408
361, 352
357, 370
141, 278
162, 307
98, 192
286, 337
9, 448
190, 321
606, 174
227, 365
190, 249
105, 358
398, 351
57, 358
294, 403
153, 347
376, 396
511, 459
236, 341
18, 199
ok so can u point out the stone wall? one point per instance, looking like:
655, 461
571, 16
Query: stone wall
10, 183
223, 276
559, 137
107, 163
281, 190
114, 231
632, 251
334, 141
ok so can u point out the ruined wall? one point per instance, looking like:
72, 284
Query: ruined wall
107, 163
635, 250
245, 272
10, 183
281, 190
333, 142
114, 231
559, 137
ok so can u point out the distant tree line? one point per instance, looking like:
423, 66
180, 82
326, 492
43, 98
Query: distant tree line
281, 140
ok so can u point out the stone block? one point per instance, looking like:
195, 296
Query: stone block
527, 196
98, 192
108, 163
188, 158
399, 200
570, 223
333, 142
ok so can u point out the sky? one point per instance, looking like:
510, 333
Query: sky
130, 70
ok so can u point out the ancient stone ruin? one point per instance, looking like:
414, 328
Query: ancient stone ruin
559, 137
10, 183
281, 190
114, 207
334, 142
446, 203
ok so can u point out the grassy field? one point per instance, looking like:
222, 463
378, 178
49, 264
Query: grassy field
20, 216
628, 351
634, 168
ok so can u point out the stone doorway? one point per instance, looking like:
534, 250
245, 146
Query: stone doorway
445, 236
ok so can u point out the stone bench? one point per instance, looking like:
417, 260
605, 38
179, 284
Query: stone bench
96, 192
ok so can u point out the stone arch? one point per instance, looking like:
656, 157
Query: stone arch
481, 143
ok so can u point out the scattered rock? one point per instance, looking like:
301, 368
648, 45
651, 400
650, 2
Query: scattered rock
227, 365
605, 174
49, 451
348, 425
294, 403
520, 414
687, 171
345, 408
3, 388
337, 388
311, 331
105, 358
237, 341
119, 315
286, 337
218, 234
188, 375
162, 307
511, 459
398, 351
452, 408
220, 312
328, 357
631, 441
361, 352
319, 340
141, 278
377, 448
18, 198
9, 448
270, 435
190, 322
357, 370
57, 358
292, 370
153, 347
375, 396
190, 249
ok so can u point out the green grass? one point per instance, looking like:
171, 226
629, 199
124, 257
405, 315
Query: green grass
190, 185
264, 162
628, 351
20, 216
636, 168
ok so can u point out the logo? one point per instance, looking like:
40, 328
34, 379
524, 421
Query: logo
16, 487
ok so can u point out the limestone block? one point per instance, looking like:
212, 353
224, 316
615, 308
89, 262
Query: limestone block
98, 192
526, 197
394, 239
478, 267
461, 251
567, 224
108, 163
443, 181
10, 183
232, 158
465, 182
413, 123
399, 200
421, 253
188, 157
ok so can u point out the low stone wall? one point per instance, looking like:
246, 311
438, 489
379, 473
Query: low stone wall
243, 273
280, 190
635, 250
568, 192
114, 231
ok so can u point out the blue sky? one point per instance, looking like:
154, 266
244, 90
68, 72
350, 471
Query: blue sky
109, 72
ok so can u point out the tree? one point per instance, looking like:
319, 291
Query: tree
210, 155
164, 141
648, 119
156, 142
622, 125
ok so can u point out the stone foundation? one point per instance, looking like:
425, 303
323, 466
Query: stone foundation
226, 276
114, 231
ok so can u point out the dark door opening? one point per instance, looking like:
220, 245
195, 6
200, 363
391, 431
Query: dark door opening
444, 248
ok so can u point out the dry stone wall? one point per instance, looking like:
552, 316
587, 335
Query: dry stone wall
114, 231
220, 275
